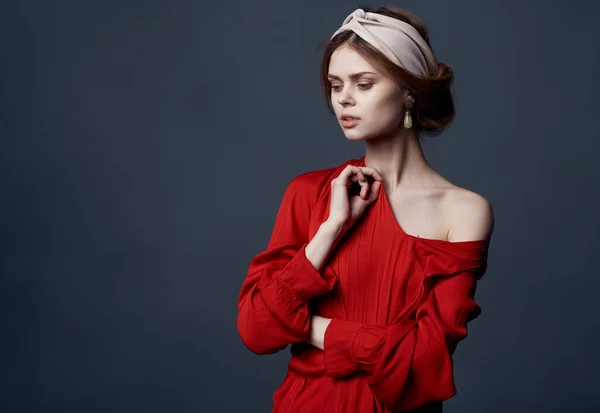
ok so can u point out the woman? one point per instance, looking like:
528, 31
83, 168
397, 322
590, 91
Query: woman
371, 269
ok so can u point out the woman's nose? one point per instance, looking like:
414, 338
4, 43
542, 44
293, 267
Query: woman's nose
344, 97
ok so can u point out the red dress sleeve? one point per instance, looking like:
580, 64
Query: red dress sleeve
409, 362
273, 304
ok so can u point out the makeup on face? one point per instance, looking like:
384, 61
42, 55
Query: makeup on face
364, 100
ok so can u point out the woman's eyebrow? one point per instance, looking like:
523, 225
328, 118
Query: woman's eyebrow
352, 76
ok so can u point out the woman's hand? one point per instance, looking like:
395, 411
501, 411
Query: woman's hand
346, 206
318, 325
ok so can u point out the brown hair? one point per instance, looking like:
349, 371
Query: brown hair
433, 107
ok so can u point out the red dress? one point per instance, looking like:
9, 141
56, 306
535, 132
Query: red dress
399, 305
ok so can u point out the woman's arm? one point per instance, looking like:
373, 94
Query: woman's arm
318, 326
409, 362
273, 301
320, 246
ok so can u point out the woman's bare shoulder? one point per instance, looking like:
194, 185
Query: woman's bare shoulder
470, 215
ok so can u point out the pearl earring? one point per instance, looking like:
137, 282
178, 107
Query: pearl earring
407, 119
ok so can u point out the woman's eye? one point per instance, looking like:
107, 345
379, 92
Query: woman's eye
363, 86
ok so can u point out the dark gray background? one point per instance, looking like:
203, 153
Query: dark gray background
145, 149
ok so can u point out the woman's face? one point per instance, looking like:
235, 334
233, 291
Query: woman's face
361, 91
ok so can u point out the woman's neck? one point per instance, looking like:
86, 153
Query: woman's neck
400, 161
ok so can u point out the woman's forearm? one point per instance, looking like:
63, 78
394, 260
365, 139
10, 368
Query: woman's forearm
317, 252
318, 325
320, 246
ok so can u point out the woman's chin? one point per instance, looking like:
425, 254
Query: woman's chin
354, 137
352, 134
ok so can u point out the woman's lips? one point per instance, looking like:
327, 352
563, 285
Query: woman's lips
349, 123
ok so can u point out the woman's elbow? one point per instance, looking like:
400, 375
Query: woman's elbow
256, 341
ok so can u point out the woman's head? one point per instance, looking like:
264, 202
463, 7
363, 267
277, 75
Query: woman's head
381, 98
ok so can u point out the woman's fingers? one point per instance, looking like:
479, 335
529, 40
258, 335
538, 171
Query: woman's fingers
375, 188
348, 173
358, 174
364, 184
352, 191
352, 170
371, 172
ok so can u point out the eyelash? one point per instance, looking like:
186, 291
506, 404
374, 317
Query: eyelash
368, 86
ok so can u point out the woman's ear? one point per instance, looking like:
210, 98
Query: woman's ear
406, 97
408, 101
